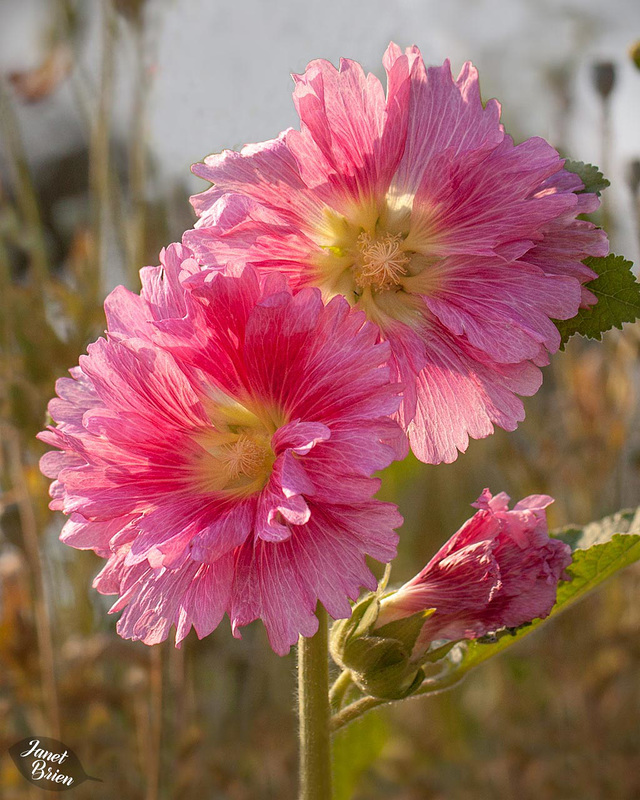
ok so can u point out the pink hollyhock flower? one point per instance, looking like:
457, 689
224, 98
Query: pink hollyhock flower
217, 449
418, 208
499, 570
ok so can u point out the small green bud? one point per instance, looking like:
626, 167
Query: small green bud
634, 52
379, 660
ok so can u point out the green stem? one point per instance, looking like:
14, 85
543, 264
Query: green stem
364, 704
314, 713
340, 688
354, 711
439, 685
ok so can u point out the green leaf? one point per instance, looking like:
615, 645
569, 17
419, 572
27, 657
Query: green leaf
355, 748
600, 532
618, 295
599, 549
593, 179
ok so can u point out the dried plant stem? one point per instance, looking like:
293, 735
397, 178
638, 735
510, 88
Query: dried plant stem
636, 217
100, 179
138, 156
314, 713
26, 197
605, 158
29, 527
177, 679
6, 314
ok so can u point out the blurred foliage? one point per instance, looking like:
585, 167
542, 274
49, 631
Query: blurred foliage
556, 717
355, 749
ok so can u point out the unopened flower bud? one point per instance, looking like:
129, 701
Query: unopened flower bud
379, 660
131, 10
604, 78
634, 52
500, 570
633, 176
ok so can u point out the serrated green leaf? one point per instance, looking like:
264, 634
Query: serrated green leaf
599, 550
618, 295
600, 532
593, 179
355, 748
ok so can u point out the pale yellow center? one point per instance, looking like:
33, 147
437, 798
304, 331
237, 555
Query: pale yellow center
234, 455
382, 261
383, 256
243, 458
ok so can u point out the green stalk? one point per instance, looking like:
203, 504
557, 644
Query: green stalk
355, 710
314, 713
340, 689
359, 707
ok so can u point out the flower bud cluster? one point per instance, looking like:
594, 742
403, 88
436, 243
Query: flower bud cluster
500, 570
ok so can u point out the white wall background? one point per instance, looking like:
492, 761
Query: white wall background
222, 69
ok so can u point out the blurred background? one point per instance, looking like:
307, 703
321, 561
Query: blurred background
103, 107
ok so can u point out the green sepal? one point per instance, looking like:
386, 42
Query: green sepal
379, 660
438, 653
382, 667
363, 616
406, 629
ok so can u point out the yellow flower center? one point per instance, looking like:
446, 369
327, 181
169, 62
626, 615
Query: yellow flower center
382, 261
234, 456
243, 458
382, 256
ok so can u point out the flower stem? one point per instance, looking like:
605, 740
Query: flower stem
314, 713
364, 704
340, 688
355, 710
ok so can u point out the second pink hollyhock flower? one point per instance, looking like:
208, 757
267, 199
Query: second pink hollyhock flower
217, 449
501, 569
416, 206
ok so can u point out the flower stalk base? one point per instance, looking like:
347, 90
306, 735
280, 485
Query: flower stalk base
314, 713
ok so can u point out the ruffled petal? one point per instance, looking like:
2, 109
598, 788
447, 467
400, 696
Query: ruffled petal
462, 395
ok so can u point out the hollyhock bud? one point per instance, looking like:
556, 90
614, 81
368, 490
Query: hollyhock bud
500, 570
379, 661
